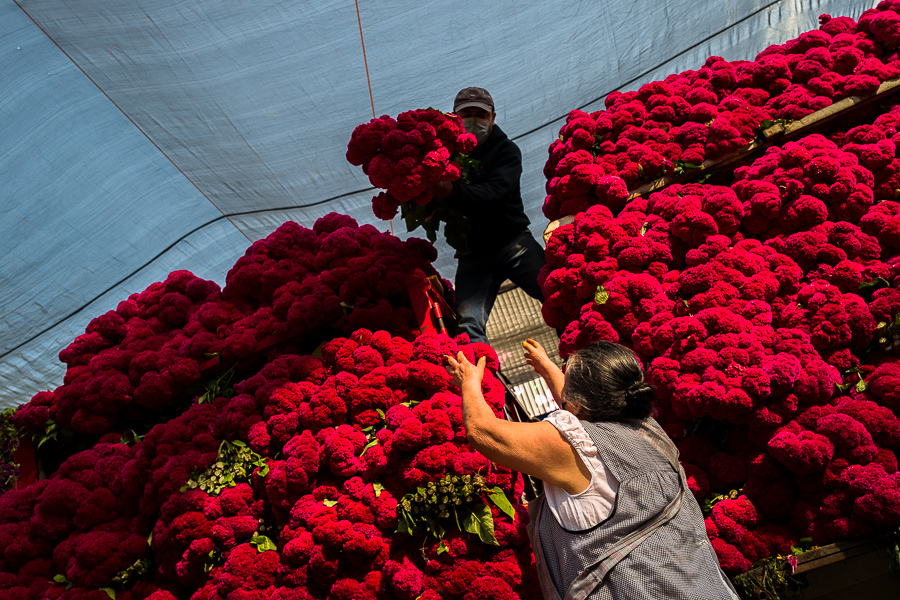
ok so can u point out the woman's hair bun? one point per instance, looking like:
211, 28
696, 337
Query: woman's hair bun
639, 399
607, 380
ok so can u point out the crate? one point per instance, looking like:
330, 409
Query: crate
857, 569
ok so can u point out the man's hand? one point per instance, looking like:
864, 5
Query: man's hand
441, 189
537, 358
464, 372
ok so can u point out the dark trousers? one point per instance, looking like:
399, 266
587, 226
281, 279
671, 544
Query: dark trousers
479, 276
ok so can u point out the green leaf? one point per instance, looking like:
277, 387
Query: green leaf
442, 548
456, 512
645, 227
844, 387
861, 385
501, 501
875, 284
367, 446
479, 521
380, 413
378, 488
109, 592
601, 295
60, 578
328, 502
403, 522
239, 444
435, 528
263, 470
262, 543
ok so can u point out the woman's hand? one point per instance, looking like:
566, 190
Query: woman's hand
464, 372
537, 358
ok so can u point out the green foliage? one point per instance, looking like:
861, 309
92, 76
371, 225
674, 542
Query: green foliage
9, 443
887, 336
131, 437
467, 167
601, 295
125, 579
454, 501
851, 382
683, 167
219, 387
371, 432
235, 463
768, 579
766, 123
430, 216
49, 434
710, 502
804, 545
262, 543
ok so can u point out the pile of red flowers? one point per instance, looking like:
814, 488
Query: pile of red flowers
671, 126
768, 313
298, 286
290, 483
337, 443
406, 157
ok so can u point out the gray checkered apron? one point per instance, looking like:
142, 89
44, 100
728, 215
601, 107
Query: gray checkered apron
653, 545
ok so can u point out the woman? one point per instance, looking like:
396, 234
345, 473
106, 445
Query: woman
616, 519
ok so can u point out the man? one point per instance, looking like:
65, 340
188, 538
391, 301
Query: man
500, 246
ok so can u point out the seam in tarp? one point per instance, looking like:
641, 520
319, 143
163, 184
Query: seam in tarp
130, 120
229, 216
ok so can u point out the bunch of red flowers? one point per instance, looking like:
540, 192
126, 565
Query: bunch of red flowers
406, 157
672, 126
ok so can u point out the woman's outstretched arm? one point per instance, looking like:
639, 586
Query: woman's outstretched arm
539, 360
536, 449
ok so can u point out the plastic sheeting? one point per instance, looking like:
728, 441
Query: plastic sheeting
142, 136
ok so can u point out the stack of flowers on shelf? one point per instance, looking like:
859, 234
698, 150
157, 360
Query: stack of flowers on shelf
767, 311
672, 126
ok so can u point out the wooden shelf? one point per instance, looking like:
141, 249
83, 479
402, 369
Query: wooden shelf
842, 570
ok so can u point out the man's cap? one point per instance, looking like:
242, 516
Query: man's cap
473, 96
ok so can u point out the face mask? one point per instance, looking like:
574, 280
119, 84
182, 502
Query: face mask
477, 127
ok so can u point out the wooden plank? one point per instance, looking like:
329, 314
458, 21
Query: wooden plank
865, 574
832, 553
773, 135
832, 111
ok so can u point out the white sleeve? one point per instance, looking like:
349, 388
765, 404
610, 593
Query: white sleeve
594, 504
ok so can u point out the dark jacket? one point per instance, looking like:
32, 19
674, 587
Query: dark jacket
492, 201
